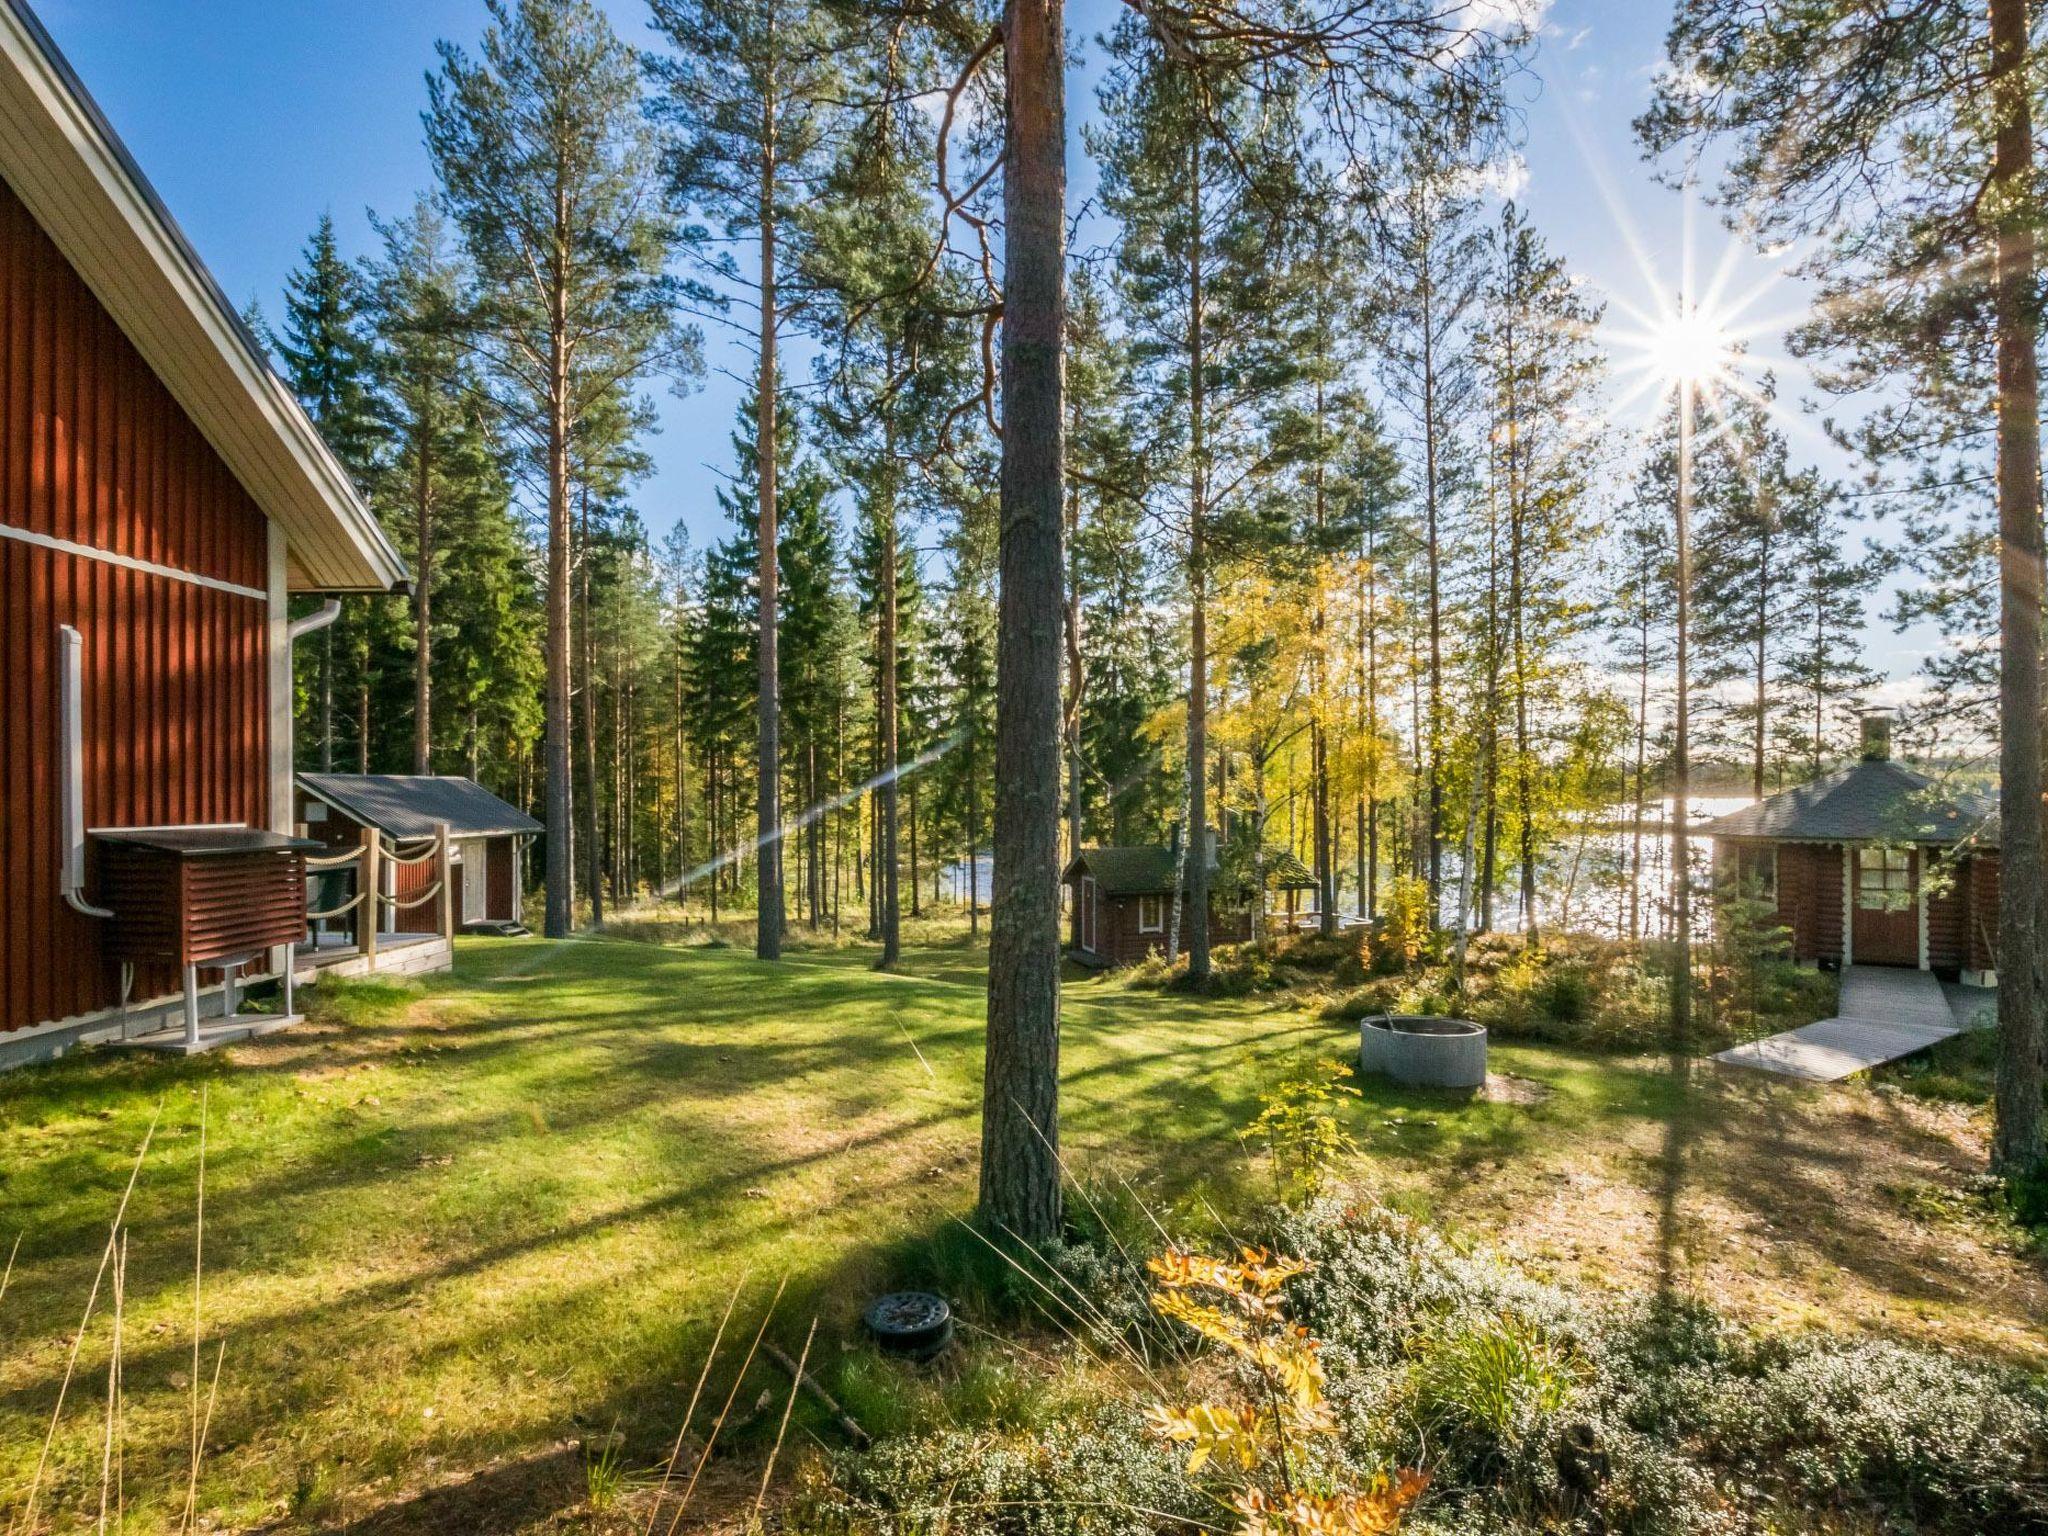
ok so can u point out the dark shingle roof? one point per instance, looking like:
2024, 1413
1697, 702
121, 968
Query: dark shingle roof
1147, 870
1864, 802
1142, 871
410, 805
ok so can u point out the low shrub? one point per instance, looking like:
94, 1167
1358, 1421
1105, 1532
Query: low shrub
1304, 1141
1940, 1443
1098, 1475
1529, 1407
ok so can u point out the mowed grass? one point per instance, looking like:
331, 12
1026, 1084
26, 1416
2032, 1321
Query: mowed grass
455, 1233
504, 1211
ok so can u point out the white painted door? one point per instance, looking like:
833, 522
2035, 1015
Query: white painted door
475, 856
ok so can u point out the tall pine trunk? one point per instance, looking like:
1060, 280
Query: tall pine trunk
768, 769
1020, 1180
555, 728
2016, 1144
1518, 516
423, 610
1433, 552
1760, 662
586, 698
886, 706
1197, 831
1681, 729
1077, 675
1319, 728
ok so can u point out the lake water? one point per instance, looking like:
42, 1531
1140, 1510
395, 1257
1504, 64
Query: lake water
1584, 882
1588, 876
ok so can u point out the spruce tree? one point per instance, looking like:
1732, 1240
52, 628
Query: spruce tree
327, 354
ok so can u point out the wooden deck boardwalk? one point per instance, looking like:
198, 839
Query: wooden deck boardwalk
1884, 1013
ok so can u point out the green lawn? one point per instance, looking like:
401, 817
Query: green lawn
452, 1233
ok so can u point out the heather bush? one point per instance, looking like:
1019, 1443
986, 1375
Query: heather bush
1101, 1475
1531, 1408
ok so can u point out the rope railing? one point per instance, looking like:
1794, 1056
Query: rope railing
335, 861
391, 856
403, 906
347, 906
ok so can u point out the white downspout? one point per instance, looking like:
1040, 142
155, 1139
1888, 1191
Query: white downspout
71, 774
318, 619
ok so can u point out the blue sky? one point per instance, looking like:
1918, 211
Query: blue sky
253, 117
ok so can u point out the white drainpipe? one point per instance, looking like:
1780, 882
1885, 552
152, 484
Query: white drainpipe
71, 743
319, 618
71, 774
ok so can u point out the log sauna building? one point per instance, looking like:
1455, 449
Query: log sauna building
162, 498
1873, 864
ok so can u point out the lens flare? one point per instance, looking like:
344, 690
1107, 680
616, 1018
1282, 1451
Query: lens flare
1691, 347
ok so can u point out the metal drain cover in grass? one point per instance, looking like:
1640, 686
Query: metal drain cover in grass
913, 1323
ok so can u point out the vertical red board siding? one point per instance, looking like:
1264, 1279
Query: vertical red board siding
93, 450
409, 883
499, 899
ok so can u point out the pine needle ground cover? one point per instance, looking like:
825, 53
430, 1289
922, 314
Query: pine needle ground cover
461, 1240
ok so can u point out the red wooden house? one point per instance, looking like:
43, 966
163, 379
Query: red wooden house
487, 839
162, 497
1121, 904
1873, 864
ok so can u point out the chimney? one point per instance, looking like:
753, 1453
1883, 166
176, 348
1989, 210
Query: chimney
1877, 736
1173, 842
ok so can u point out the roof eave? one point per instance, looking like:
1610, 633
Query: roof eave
67, 165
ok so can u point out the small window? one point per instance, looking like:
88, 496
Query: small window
1884, 879
1151, 914
1756, 870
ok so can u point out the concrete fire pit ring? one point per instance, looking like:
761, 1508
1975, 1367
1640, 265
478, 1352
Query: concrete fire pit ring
1423, 1051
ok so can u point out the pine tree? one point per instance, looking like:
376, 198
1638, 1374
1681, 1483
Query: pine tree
745, 93
1818, 649
1542, 366
428, 400
891, 371
1915, 155
1117, 657
1438, 254
1638, 621
1201, 209
548, 171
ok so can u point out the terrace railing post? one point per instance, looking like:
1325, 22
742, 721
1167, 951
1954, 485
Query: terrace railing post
446, 870
371, 912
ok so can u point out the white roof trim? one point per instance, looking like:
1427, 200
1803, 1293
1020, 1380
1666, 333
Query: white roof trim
72, 172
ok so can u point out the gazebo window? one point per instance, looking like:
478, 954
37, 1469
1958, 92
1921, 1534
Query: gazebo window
1884, 879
